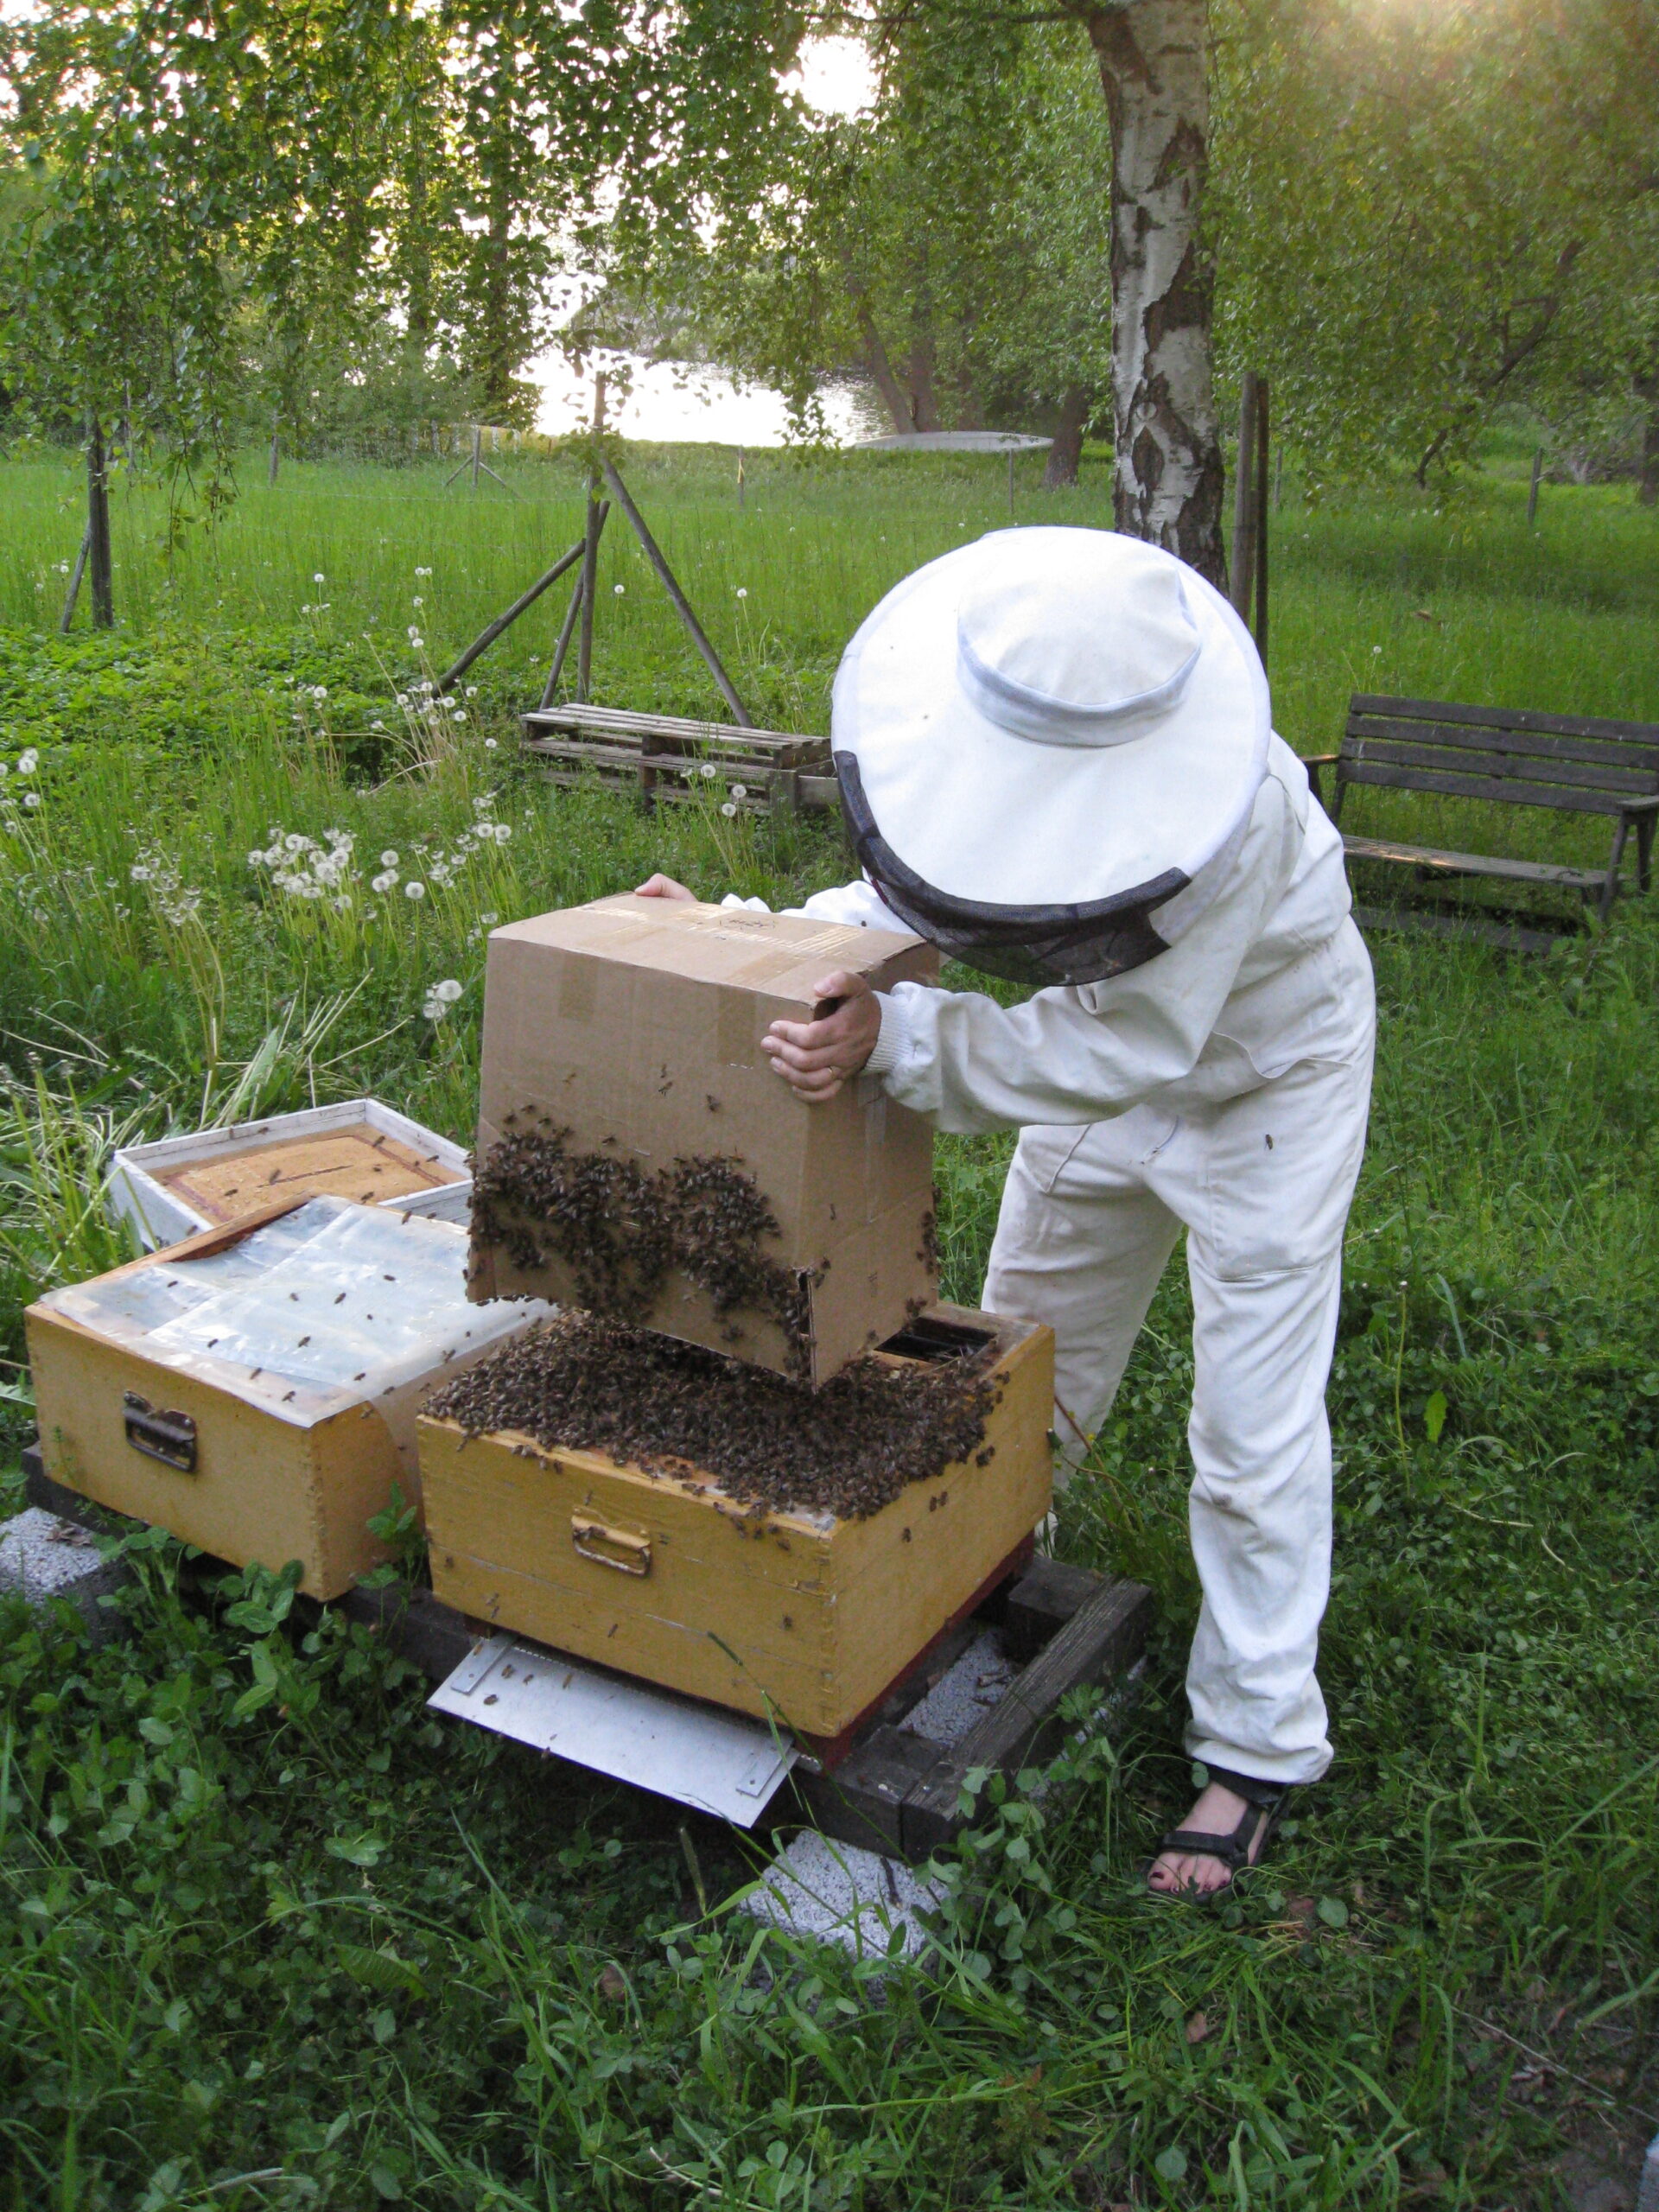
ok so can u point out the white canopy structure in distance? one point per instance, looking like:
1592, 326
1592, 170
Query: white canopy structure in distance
953, 441
1007, 442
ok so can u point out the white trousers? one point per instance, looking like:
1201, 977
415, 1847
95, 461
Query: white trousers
1262, 1184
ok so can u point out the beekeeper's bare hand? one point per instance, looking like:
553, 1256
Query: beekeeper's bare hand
816, 1057
663, 887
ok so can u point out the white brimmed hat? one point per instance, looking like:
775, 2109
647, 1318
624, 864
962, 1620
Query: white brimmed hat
1049, 743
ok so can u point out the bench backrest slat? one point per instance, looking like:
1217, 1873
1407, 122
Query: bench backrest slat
1580, 764
1516, 718
1623, 754
1615, 782
1507, 788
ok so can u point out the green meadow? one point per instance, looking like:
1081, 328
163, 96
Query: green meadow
326, 1950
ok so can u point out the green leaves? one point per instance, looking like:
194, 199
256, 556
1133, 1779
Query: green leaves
381, 1971
266, 1676
359, 1848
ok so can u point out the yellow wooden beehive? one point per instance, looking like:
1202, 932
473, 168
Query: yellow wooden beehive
254, 1390
799, 1616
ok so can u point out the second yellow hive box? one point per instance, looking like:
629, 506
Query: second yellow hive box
798, 1616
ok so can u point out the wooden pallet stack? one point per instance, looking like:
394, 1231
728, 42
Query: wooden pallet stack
666, 756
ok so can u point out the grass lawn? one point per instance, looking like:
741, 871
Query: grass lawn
321, 1949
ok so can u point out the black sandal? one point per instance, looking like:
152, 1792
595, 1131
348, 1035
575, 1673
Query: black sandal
1263, 1801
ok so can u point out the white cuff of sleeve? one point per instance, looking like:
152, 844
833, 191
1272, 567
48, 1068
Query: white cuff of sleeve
893, 1043
750, 906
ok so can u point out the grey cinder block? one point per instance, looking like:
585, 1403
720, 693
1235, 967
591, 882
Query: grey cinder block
43, 1557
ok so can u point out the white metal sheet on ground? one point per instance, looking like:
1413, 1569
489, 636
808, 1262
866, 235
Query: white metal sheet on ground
714, 1762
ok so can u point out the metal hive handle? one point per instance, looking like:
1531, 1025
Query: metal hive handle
620, 1548
160, 1432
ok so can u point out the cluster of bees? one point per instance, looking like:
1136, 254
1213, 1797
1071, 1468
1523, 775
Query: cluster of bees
621, 1229
583, 1383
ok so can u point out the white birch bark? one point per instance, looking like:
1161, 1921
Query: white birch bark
1154, 62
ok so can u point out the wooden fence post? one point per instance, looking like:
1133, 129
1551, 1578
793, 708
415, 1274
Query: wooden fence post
1262, 431
98, 532
590, 551
1242, 568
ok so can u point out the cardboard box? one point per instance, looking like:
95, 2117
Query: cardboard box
357, 1149
254, 1389
800, 1617
629, 1032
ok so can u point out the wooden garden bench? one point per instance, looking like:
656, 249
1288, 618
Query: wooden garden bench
1574, 763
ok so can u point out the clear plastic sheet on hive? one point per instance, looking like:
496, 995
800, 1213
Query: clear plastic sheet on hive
333, 1304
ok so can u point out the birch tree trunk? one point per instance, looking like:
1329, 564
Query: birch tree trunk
1153, 61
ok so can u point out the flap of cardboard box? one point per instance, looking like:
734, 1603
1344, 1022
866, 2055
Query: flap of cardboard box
782, 954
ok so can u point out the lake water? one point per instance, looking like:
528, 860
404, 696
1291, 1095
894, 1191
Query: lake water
675, 400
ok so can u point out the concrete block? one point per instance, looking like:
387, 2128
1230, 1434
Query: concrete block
43, 1557
838, 1894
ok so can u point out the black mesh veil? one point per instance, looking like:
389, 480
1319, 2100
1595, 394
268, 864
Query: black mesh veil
1027, 944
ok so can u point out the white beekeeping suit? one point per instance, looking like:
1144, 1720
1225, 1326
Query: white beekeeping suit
1055, 757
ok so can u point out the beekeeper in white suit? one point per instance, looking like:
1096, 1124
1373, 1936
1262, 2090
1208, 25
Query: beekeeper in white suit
1056, 762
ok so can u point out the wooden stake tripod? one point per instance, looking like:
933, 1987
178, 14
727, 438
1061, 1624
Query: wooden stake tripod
579, 616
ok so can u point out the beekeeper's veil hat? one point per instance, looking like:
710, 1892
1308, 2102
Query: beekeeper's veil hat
1049, 743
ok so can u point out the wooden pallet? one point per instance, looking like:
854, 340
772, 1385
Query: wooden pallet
662, 756
881, 1787
896, 1793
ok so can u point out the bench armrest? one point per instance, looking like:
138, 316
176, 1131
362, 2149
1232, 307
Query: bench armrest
1640, 805
1314, 762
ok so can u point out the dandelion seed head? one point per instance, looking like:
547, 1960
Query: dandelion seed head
740, 791
448, 990
415, 889
742, 592
31, 798
707, 772
728, 809
389, 859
